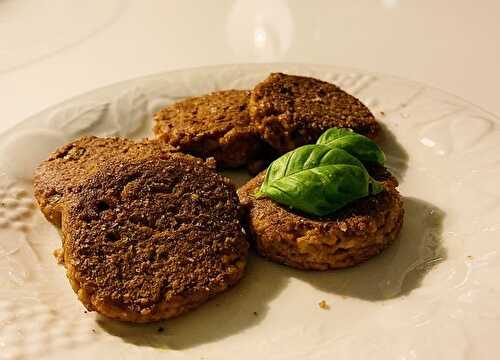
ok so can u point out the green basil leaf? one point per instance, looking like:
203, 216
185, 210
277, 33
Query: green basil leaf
317, 180
355, 144
307, 157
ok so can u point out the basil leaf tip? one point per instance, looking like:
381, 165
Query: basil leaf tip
258, 194
375, 187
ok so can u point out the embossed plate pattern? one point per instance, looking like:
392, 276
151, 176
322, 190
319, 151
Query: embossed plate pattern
434, 294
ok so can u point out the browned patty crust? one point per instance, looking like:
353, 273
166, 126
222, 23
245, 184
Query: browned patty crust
290, 111
215, 125
147, 239
350, 236
67, 166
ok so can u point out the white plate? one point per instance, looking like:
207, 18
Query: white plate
434, 294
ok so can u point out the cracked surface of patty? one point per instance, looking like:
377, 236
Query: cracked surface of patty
290, 111
215, 125
72, 163
148, 239
352, 235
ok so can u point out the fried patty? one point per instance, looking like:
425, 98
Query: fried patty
215, 125
150, 238
290, 111
72, 163
350, 236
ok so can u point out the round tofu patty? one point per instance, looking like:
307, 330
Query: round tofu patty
148, 239
352, 235
215, 125
290, 111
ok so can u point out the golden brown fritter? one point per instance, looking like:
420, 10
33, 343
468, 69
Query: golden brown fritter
214, 125
67, 166
150, 238
352, 235
290, 111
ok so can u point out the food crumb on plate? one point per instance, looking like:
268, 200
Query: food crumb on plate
59, 255
255, 313
322, 304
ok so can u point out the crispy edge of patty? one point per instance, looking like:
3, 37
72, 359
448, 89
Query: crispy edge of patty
290, 111
72, 163
166, 310
214, 125
176, 303
354, 234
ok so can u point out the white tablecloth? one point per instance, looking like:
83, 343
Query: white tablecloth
54, 49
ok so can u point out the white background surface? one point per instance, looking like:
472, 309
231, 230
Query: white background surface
54, 49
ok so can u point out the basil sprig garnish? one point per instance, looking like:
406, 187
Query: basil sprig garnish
320, 179
355, 144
